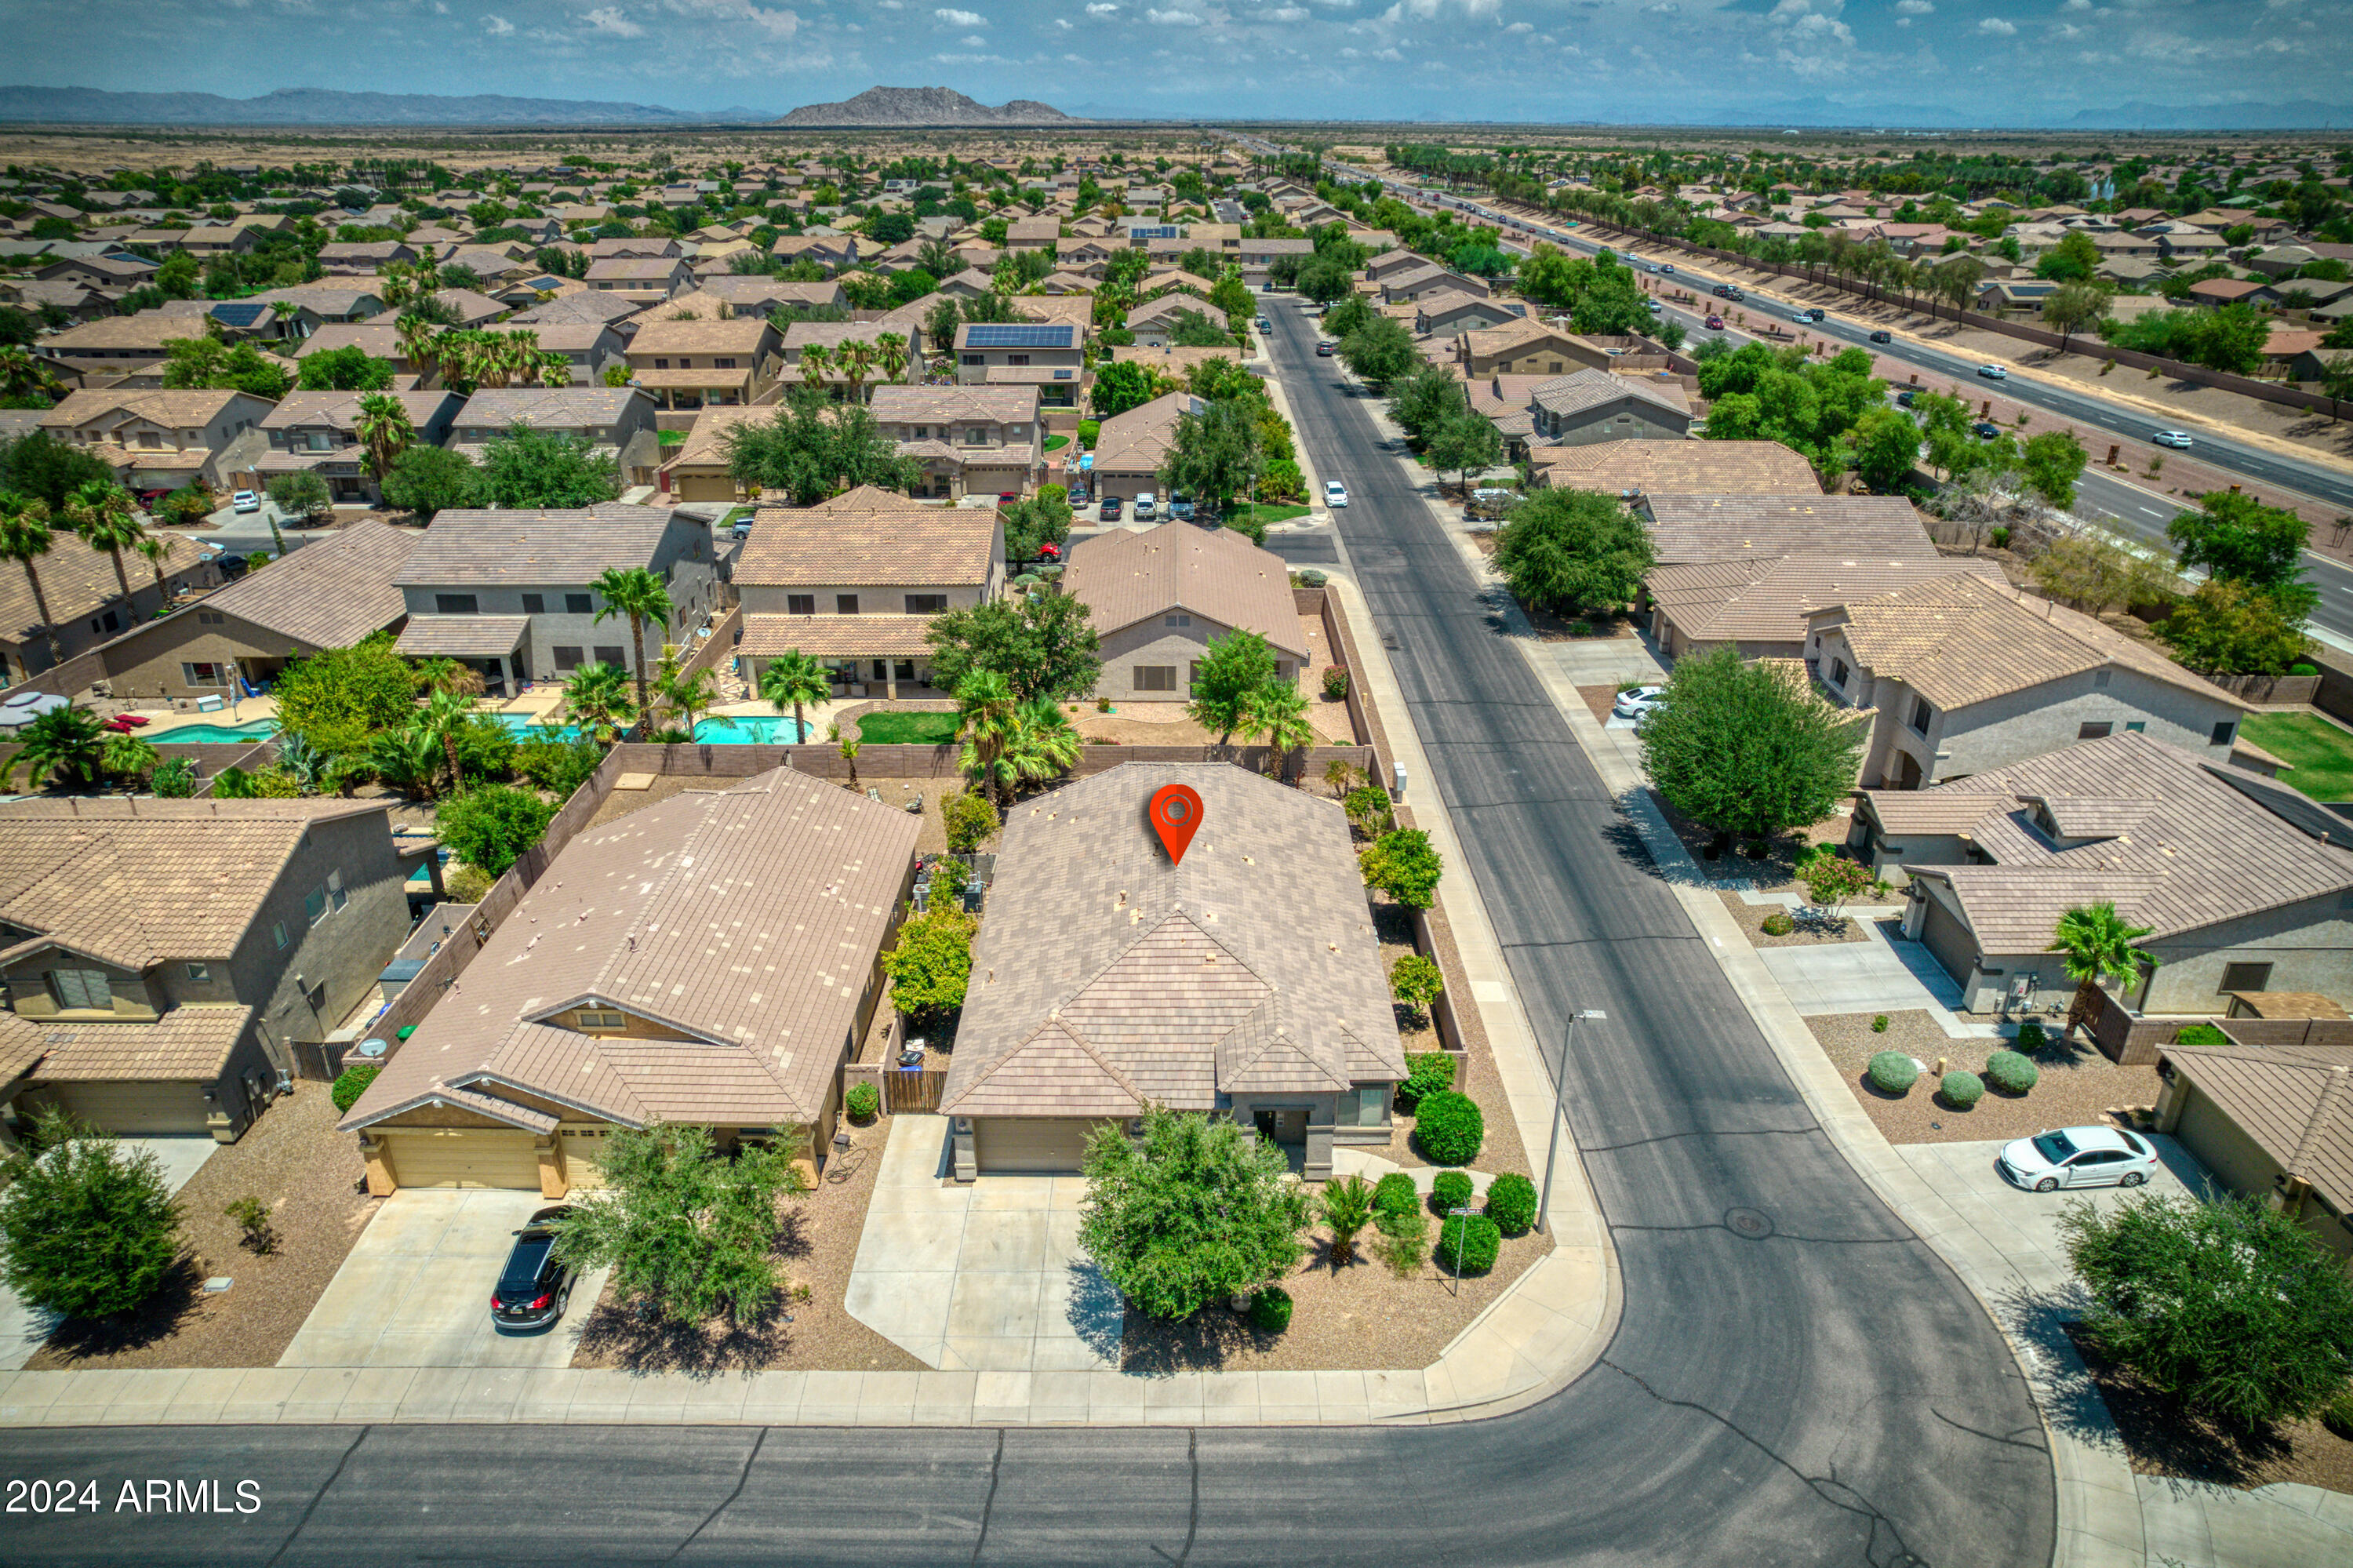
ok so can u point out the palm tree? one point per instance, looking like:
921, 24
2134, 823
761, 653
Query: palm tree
988, 715
555, 370
2098, 945
791, 680
1043, 744
1279, 712
409, 760
419, 344
444, 715
849, 756
385, 428
62, 741
23, 376
891, 356
857, 359
104, 515
1346, 1208
638, 594
24, 537
816, 360
689, 695
129, 759
597, 699
157, 552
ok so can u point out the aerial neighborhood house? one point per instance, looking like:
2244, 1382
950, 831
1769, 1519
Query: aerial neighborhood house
1244, 980
1448, 312
2273, 1121
1130, 448
1155, 598
1154, 321
378, 339
1640, 467
317, 432
1961, 675
329, 301
696, 364
719, 961
2237, 877
1527, 348
1405, 287
697, 468
617, 420
163, 440
330, 593
1718, 528
827, 250
86, 598
151, 990
835, 368
1758, 604
511, 593
591, 347
1595, 405
971, 441
983, 346
855, 582
641, 279
118, 350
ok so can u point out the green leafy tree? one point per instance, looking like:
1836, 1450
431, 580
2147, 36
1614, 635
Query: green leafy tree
1043, 644
2228, 1307
1417, 981
1379, 352
2071, 308
207, 364
64, 746
1213, 454
1232, 671
1749, 750
302, 494
491, 826
811, 447
1573, 550
1040, 520
88, 1227
348, 369
1885, 445
2095, 571
636, 596
793, 680
2050, 464
1323, 280
2236, 536
1425, 400
427, 479
2073, 260
1193, 1212
969, 821
690, 1234
1402, 864
2095, 943
2229, 629
1466, 440
41, 468
536, 469
930, 964
337, 699
1126, 384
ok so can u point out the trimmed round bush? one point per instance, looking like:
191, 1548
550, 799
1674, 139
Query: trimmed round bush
1395, 1194
1448, 1128
1892, 1072
1512, 1203
353, 1083
1962, 1090
2031, 1037
1449, 1190
1776, 925
1426, 1073
2201, 1034
1311, 578
2300, 668
862, 1100
1269, 1310
1477, 1239
2011, 1073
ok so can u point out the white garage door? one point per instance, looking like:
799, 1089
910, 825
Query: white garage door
462, 1157
1034, 1146
132, 1108
584, 1147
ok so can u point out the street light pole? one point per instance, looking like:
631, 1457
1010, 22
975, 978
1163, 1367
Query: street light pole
1560, 1106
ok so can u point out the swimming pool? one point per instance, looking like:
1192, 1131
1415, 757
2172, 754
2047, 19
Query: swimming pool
214, 734
748, 729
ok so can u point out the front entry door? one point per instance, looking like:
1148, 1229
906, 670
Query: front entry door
1283, 1124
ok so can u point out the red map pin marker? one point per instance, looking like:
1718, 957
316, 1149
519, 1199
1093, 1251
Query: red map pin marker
1176, 813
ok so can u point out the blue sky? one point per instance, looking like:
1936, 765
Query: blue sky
1989, 61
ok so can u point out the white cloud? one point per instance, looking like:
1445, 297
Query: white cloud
497, 26
974, 41
1174, 18
1998, 27
1915, 7
739, 13
962, 19
1521, 28
1063, 23
1661, 9
2076, 6
1286, 14
1102, 8
439, 10
1814, 23
608, 20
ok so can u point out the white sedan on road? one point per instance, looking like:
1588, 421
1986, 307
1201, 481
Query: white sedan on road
1334, 494
1993, 371
2178, 439
2079, 1157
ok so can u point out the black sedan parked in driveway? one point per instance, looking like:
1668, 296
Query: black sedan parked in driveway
534, 1286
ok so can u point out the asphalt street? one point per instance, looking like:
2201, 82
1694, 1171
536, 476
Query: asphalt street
1797, 1379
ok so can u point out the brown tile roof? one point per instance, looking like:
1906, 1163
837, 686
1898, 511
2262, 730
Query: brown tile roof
937, 405
868, 535
2296, 1104
330, 593
1589, 389
1135, 442
835, 636
1104, 978
462, 636
1722, 467
1932, 810
506, 545
746, 920
80, 581
737, 334
1723, 527
2204, 843
340, 411
186, 1044
184, 410
1767, 599
1125, 577
148, 330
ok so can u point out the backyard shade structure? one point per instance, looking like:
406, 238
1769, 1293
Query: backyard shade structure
462, 636
836, 636
25, 707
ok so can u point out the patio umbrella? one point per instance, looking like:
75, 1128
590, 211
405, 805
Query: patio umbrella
27, 706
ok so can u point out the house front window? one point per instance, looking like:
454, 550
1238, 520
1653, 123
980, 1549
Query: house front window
2246, 977
800, 604
456, 604
1921, 714
1156, 677
569, 659
577, 604
845, 604
926, 603
2225, 731
1838, 673
534, 604
86, 990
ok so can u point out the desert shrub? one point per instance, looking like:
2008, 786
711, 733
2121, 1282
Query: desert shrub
559, 766
969, 820
1894, 1073
1778, 925
1269, 1310
1879, 1025
252, 1216
1335, 680
88, 1227
1395, 1194
2201, 1034
1961, 1090
1426, 1073
175, 778
1467, 1243
1311, 578
1451, 1190
469, 884
1512, 1203
352, 1084
1998, 538
1448, 1128
862, 1100
2031, 1038
2011, 1073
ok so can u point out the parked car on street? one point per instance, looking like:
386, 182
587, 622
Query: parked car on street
1905, 398
2176, 438
1179, 504
1815, 314
1882, 335
534, 1286
246, 501
1716, 323
1666, 267
1324, 347
2078, 1157
1334, 494
1639, 702
1993, 373
1985, 430
1264, 325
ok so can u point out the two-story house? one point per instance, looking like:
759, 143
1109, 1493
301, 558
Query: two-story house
855, 582
156, 987
971, 441
511, 593
688, 365
163, 440
1156, 599
118, 350
981, 346
830, 337
642, 279
618, 420
317, 432
1595, 405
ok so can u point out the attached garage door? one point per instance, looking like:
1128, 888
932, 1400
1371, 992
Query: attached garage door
132, 1108
462, 1157
1014, 1144
582, 1147
1954, 947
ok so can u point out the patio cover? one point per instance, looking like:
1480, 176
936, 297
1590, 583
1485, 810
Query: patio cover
462, 636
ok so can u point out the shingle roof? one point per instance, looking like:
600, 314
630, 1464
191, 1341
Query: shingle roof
1125, 576
546, 407
462, 636
2295, 1103
1725, 527
1135, 442
330, 593
869, 537
835, 636
340, 411
746, 920
189, 411
937, 405
468, 545
1104, 977
737, 334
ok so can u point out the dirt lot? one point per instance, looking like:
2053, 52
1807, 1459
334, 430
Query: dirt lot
814, 1247
2163, 1439
2079, 1087
293, 1158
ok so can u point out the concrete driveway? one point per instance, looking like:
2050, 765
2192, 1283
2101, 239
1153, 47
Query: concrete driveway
1880, 974
22, 1328
415, 1291
983, 1276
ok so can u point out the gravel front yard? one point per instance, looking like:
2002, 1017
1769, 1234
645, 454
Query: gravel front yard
1751, 919
818, 1242
293, 1158
2079, 1087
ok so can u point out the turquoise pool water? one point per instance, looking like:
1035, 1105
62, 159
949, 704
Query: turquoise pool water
526, 728
749, 730
214, 734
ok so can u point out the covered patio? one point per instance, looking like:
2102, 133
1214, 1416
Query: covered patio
864, 655
489, 643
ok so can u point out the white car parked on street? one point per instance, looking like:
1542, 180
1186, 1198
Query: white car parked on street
1334, 494
1993, 371
2079, 1157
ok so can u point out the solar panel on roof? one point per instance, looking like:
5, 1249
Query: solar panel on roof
1018, 334
239, 314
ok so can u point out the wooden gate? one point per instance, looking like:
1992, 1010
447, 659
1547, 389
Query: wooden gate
912, 1091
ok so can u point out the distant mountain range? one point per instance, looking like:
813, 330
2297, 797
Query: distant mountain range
2299, 114
899, 106
321, 106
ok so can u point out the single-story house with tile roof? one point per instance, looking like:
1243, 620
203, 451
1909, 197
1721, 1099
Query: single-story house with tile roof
1639, 468
2241, 881
1155, 598
718, 964
1719, 527
1527, 348
1130, 447
2273, 1121
696, 470
159, 957
1244, 980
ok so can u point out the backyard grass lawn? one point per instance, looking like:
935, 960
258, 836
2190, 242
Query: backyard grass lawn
1056, 443
1268, 513
2323, 753
906, 729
